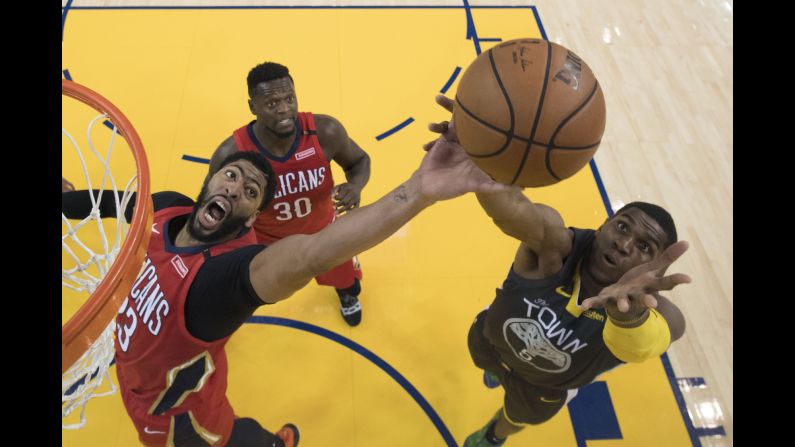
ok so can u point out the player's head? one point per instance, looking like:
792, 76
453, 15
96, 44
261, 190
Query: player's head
272, 98
638, 233
231, 199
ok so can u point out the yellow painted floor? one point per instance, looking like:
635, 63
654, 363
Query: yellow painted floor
404, 376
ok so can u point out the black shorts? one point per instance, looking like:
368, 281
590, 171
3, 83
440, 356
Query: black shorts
525, 403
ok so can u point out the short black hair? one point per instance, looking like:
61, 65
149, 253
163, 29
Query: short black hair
262, 165
265, 72
658, 213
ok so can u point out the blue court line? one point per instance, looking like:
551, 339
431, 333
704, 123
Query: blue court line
601, 186
395, 129
680, 400
713, 431
107, 123
472, 33
110, 126
369, 355
195, 159
538, 21
63, 17
451, 80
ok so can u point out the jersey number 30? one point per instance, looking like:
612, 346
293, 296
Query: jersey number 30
299, 208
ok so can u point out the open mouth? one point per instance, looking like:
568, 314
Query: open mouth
214, 212
609, 260
285, 124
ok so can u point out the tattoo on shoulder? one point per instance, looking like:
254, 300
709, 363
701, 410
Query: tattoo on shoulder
401, 195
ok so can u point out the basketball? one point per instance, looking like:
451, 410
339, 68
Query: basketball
529, 112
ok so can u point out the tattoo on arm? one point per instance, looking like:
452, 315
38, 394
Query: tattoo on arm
400, 194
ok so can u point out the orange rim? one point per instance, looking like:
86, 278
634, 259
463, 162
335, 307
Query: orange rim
93, 317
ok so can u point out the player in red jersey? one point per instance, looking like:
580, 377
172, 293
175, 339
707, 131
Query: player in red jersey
203, 276
300, 147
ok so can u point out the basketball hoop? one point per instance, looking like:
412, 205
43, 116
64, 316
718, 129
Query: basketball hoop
87, 338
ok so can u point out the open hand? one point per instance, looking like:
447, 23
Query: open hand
633, 293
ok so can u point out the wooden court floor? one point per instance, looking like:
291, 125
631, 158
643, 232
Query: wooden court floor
404, 376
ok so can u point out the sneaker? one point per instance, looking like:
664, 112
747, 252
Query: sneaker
490, 379
478, 439
351, 309
289, 434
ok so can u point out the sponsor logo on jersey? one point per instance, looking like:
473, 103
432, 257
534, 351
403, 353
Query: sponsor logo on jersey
305, 153
560, 291
593, 315
179, 266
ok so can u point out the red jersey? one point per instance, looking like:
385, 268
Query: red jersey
302, 203
163, 370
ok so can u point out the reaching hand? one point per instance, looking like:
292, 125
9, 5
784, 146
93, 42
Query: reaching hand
633, 293
346, 197
447, 172
446, 128
66, 185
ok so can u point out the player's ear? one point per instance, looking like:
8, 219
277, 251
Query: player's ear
251, 219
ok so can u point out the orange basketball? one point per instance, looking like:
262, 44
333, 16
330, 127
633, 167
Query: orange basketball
529, 112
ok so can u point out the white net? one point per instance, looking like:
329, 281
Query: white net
85, 264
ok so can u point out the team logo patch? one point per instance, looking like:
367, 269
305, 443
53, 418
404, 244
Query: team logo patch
305, 153
179, 266
529, 343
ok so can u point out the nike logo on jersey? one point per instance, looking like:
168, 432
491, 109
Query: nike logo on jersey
153, 432
562, 292
154, 228
544, 399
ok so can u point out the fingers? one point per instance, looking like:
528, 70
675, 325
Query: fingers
445, 102
669, 282
439, 128
671, 254
345, 198
622, 302
649, 300
66, 185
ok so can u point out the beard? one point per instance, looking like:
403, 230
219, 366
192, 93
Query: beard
229, 226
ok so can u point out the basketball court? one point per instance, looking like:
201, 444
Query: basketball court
403, 377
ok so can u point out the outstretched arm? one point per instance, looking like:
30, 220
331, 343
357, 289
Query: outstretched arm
544, 238
289, 264
641, 323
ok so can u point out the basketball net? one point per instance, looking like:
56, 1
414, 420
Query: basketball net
84, 267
